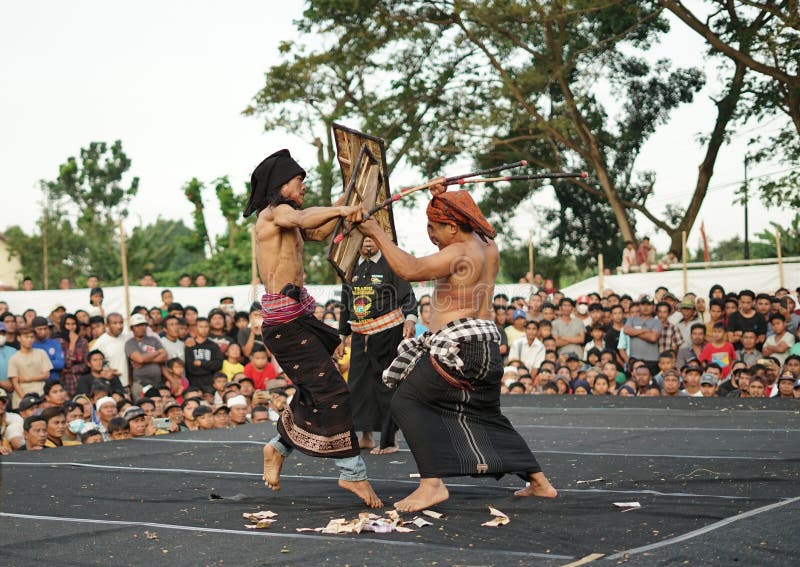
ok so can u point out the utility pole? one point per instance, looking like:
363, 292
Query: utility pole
746, 227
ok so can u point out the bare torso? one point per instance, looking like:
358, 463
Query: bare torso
279, 253
467, 292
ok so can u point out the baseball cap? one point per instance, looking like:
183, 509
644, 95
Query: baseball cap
573, 356
39, 321
169, 405
28, 402
237, 401
787, 375
57, 306
644, 298
133, 412
687, 303
691, 368
518, 313
3, 393
137, 319
220, 408
709, 379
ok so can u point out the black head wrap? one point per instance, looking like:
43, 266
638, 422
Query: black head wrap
267, 180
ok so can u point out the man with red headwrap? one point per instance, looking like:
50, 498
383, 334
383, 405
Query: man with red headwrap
448, 400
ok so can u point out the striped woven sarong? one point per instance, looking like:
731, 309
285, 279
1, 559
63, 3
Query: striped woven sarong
280, 308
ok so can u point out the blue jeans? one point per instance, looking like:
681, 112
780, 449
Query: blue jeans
351, 469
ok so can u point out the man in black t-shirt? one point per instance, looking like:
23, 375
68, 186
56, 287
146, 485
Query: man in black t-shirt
746, 319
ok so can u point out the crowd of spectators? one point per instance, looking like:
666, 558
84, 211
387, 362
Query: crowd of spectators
90, 376
741, 344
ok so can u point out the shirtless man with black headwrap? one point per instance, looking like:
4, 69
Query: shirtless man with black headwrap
318, 421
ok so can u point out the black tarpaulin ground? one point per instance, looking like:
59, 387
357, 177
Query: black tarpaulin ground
718, 482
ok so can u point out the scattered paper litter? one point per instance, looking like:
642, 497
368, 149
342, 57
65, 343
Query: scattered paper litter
590, 481
260, 520
500, 519
151, 535
370, 522
432, 514
419, 522
628, 505
413, 475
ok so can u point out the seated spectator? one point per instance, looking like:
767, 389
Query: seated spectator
119, 429
221, 417
173, 412
601, 385
219, 382
260, 414
29, 405
259, 368
786, 384
189, 423
748, 352
691, 382
35, 433
106, 410
175, 378
670, 383
629, 262
90, 436
757, 388
56, 426
237, 407
11, 432
708, 385
54, 395
204, 417
581, 388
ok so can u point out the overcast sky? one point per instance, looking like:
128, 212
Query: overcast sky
170, 80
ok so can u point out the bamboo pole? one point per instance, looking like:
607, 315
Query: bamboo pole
600, 273
253, 263
44, 253
530, 258
780, 257
683, 257
123, 252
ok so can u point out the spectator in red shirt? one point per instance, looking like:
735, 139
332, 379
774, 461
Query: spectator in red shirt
718, 350
259, 369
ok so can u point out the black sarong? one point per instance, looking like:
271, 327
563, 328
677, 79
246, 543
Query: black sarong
319, 420
370, 356
458, 431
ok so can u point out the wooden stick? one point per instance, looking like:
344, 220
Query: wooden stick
253, 262
780, 257
123, 252
600, 273
683, 256
582, 175
530, 257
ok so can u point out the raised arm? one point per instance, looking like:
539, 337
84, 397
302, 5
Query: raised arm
313, 218
411, 269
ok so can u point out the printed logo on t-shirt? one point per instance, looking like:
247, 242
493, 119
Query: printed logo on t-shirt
721, 358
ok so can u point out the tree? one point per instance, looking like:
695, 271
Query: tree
91, 189
517, 78
762, 36
165, 249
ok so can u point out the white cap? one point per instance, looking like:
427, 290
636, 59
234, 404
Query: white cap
137, 319
237, 401
103, 401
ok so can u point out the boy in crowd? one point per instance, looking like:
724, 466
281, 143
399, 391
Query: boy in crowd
719, 351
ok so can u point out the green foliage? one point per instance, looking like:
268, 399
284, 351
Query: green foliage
165, 249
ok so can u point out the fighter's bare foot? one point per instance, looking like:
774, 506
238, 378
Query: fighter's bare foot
273, 461
366, 441
362, 489
539, 486
431, 491
385, 450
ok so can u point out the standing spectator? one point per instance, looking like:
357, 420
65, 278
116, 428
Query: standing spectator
216, 332
716, 314
97, 326
54, 395
691, 381
171, 341
746, 319
251, 335
535, 303
749, 354
146, 355
75, 348
671, 337
500, 317
517, 328
10, 322
112, 345
694, 348
200, 280
629, 261
643, 332
6, 352
568, 331
613, 332
719, 351
29, 368
49, 345
780, 342
96, 303
424, 322
688, 317
203, 358
98, 369
787, 305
